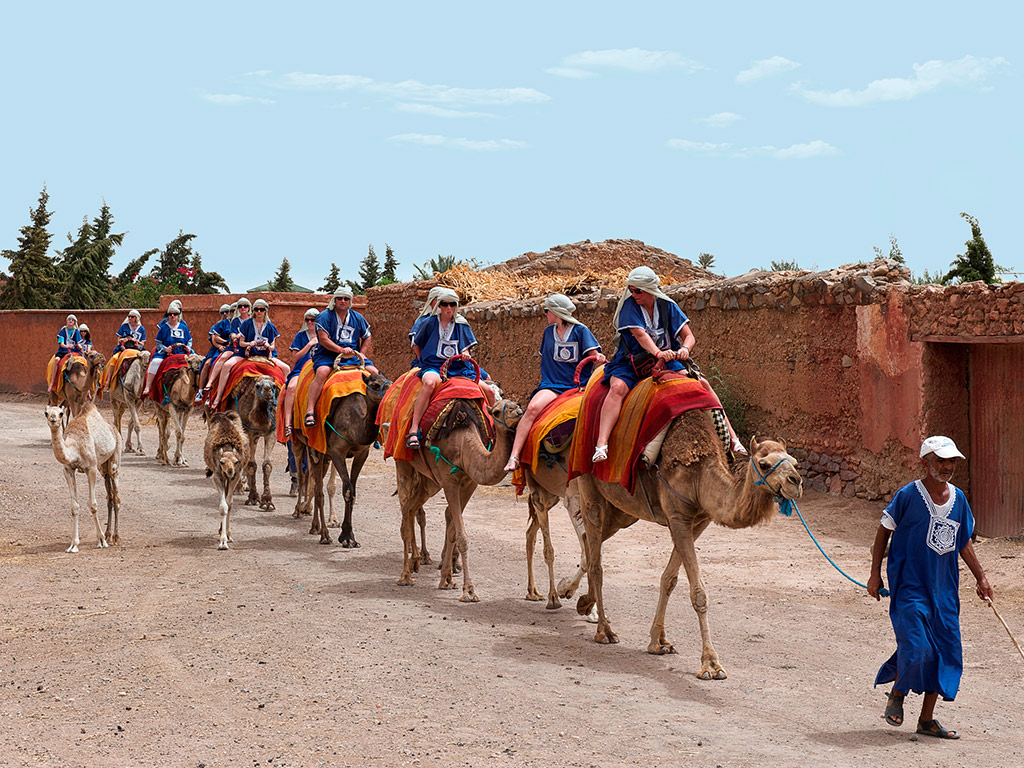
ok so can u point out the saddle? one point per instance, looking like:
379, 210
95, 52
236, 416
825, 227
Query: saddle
251, 368
169, 364
341, 383
65, 361
117, 368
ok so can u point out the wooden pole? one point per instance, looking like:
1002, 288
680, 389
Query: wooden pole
1015, 643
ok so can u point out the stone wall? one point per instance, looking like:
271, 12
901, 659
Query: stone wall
968, 310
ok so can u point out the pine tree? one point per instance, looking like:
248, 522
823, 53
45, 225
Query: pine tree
390, 266
180, 269
976, 263
32, 283
333, 280
282, 280
84, 266
369, 273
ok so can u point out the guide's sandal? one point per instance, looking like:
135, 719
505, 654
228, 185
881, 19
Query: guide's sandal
894, 710
932, 728
412, 441
310, 420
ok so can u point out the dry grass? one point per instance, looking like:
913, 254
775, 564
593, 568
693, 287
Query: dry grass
500, 283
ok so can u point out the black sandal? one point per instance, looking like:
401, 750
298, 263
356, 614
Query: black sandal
412, 441
310, 420
925, 729
894, 709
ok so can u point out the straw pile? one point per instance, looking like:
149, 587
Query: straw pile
500, 283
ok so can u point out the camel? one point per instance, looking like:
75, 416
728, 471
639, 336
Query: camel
351, 430
255, 398
126, 395
224, 451
460, 442
691, 489
90, 446
180, 386
80, 382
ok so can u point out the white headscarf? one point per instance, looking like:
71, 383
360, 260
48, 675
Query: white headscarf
311, 312
645, 279
175, 306
225, 308
562, 307
431, 302
262, 303
447, 294
337, 293
132, 313
71, 317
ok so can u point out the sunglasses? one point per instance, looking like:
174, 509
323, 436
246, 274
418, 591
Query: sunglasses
310, 319
342, 298
447, 304
637, 291
225, 311
260, 309
173, 314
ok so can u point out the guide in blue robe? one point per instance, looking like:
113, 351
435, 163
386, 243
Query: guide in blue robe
924, 582
351, 332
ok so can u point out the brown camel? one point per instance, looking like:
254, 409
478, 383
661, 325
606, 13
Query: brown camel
180, 389
224, 452
126, 395
90, 446
691, 489
351, 430
255, 398
80, 383
464, 462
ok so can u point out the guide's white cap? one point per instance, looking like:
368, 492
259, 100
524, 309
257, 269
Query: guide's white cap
941, 446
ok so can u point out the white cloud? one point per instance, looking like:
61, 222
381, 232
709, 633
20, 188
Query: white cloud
475, 145
582, 64
258, 73
720, 119
430, 109
234, 99
412, 90
812, 149
929, 76
776, 65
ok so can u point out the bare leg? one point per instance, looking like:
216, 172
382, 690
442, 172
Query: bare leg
430, 382
224, 380
315, 388
289, 403
610, 411
537, 404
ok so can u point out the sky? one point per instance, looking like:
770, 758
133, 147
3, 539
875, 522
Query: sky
757, 132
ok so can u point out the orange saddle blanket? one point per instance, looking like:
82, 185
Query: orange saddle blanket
117, 367
65, 361
395, 412
563, 409
247, 369
648, 407
343, 382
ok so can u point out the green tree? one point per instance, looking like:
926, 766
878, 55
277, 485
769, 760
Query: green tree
976, 263
133, 289
282, 280
706, 260
369, 273
83, 269
179, 269
333, 280
32, 283
784, 266
387, 275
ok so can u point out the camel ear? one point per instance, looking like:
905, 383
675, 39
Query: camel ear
781, 442
754, 445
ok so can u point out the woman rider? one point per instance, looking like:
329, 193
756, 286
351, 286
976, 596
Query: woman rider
302, 348
131, 334
565, 342
220, 338
68, 340
239, 315
257, 337
647, 321
171, 337
429, 307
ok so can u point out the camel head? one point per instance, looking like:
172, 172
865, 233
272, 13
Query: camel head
143, 357
96, 360
771, 463
228, 462
507, 413
376, 385
195, 363
54, 415
266, 389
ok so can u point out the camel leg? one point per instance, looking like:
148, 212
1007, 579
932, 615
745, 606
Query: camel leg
118, 408
540, 503
566, 587
421, 518
448, 554
93, 475
683, 535
225, 514
250, 470
134, 423
332, 488
318, 525
531, 541
410, 497
161, 435
267, 499
659, 643
69, 475
599, 524
461, 543
302, 497
347, 538
113, 502
180, 422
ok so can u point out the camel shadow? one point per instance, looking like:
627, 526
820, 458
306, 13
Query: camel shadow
860, 739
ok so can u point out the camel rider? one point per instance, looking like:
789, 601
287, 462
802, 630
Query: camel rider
240, 311
172, 337
566, 341
651, 328
257, 337
341, 332
68, 340
445, 334
429, 308
86, 345
220, 338
302, 350
131, 334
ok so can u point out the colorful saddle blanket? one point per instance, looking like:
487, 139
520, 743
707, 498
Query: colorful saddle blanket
248, 369
64, 363
117, 368
396, 408
648, 407
170, 364
342, 383
560, 414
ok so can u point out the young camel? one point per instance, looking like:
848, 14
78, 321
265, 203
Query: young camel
691, 489
224, 453
90, 446
126, 395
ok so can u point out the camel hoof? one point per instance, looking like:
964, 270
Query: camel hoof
348, 543
707, 673
553, 604
252, 501
334, 523
222, 545
425, 558
469, 597
180, 463
659, 649
606, 637
72, 549
585, 604
325, 539
534, 595
444, 583
140, 452
591, 618
266, 504
405, 581
102, 544
565, 589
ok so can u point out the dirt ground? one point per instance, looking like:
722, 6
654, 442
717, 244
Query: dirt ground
282, 652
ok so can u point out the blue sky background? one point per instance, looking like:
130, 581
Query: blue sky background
754, 131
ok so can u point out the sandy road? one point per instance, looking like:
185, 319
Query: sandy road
166, 652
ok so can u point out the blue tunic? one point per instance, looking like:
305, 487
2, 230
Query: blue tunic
221, 328
126, 332
167, 336
67, 338
559, 357
663, 325
924, 580
352, 332
266, 335
412, 336
435, 349
301, 339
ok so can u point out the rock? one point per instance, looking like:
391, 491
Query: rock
847, 361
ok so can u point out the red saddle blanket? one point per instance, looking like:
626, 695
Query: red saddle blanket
250, 368
648, 407
169, 364
395, 412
